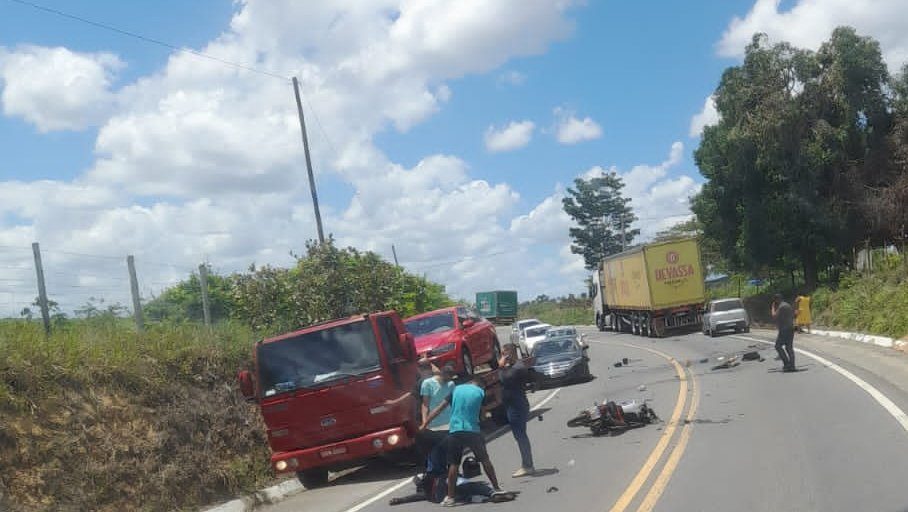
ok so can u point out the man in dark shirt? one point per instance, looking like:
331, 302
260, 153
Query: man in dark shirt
514, 377
784, 316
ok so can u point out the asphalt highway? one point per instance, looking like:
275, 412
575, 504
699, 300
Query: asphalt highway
748, 438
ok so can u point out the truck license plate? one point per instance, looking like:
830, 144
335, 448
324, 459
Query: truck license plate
340, 450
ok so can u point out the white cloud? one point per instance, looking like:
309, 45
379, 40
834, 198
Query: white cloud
512, 77
659, 201
200, 161
708, 116
810, 22
515, 135
55, 88
571, 130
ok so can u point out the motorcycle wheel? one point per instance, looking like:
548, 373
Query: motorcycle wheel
579, 421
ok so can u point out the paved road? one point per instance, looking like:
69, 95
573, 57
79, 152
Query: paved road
745, 439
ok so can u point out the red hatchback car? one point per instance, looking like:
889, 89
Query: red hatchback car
457, 335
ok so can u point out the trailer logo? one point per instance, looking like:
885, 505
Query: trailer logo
671, 257
673, 273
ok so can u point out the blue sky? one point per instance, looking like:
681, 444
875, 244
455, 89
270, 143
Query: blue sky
115, 146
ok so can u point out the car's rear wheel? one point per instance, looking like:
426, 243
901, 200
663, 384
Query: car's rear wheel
467, 363
713, 332
312, 478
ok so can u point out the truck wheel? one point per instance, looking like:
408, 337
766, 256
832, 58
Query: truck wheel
312, 478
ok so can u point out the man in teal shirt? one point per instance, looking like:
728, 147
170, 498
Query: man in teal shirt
466, 406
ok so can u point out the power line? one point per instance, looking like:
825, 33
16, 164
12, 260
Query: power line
147, 39
176, 48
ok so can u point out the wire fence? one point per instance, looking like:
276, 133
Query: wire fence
80, 284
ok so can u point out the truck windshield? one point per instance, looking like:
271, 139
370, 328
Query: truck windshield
431, 324
317, 358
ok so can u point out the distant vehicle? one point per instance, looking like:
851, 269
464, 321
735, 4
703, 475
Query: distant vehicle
561, 359
518, 327
529, 336
650, 290
562, 331
725, 314
455, 335
499, 307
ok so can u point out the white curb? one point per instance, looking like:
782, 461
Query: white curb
881, 341
267, 496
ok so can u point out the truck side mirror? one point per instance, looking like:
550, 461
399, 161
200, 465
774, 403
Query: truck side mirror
247, 385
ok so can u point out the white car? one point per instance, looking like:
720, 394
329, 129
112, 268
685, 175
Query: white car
529, 336
518, 327
566, 331
725, 314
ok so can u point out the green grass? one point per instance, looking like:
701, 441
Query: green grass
876, 304
98, 417
557, 314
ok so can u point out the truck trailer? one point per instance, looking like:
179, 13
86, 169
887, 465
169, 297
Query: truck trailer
650, 290
499, 307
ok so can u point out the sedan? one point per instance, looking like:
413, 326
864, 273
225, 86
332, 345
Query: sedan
519, 326
531, 335
456, 335
561, 359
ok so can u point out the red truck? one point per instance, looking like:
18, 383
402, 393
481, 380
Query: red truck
328, 394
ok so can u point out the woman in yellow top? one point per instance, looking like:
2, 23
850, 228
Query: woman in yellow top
802, 319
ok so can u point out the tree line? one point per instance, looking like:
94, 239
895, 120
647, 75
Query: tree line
807, 162
327, 282
808, 159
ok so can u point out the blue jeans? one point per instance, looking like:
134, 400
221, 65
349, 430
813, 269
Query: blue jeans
518, 414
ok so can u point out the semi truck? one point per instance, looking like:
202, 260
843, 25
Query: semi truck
499, 307
336, 394
650, 290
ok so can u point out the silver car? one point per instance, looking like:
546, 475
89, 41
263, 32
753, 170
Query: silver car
518, 327
723, 314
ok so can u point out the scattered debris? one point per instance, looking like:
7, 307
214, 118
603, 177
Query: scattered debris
624, 360
751, 356
704, 360
731, 362
618, 364
642, 387
552, 489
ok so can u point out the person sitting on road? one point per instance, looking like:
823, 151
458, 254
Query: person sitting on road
466, 406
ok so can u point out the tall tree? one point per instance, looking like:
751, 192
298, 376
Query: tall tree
603, 216
799, 143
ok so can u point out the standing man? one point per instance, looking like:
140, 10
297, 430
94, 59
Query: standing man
784, 316
433, 392
466, 406
514, 378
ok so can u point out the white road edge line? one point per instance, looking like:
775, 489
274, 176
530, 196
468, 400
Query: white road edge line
877, 395
405, 481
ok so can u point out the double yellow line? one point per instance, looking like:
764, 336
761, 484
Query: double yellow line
688, 381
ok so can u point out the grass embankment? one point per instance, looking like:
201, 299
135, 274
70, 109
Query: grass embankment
99, 418
555, 313
876, 304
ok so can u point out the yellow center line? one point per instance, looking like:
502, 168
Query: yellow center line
658, 487
628, 496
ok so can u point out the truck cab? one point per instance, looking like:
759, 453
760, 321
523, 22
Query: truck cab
597, 296
330, 393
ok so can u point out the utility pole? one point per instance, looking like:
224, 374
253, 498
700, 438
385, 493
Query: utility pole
394, 252
42, 290
299, 109
134, 289
203, 283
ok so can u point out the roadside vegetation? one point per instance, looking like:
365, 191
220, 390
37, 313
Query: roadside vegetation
568, 310
98, 417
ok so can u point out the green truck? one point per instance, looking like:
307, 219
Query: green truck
499, 307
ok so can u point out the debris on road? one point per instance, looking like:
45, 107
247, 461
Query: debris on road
552, 489
726, 363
